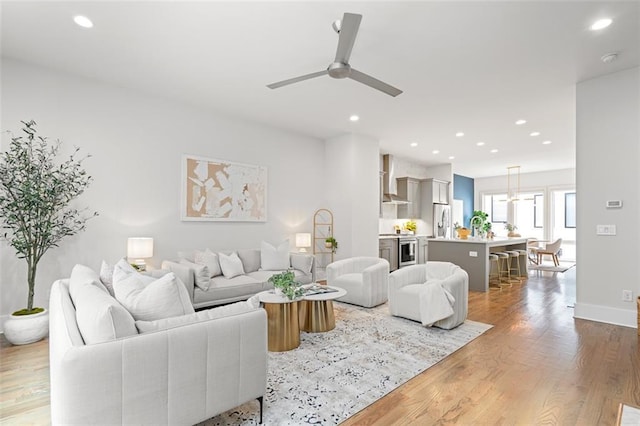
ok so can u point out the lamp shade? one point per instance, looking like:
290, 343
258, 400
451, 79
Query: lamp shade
303, 240
139, 247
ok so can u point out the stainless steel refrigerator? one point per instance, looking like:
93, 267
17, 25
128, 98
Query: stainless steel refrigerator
442, 221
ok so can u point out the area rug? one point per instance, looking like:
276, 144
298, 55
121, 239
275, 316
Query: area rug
333, 375
628, 415
564, 267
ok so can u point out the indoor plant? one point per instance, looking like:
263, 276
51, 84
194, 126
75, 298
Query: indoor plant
331, 243
479, 222
35, 214
511, 228
286, 283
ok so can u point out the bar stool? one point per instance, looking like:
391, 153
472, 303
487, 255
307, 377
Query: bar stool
494, 271
503, 262
524, 256
514, 265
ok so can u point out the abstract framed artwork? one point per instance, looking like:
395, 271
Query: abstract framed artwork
221, 190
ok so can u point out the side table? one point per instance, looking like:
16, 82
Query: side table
316, 311
283, 330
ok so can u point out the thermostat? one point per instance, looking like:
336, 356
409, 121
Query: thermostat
614, 204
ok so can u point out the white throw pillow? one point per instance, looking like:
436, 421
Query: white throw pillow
150, 299
302, 262
231, 265
202, 276
208, 314
99, 316
106, 276
274, 258
210, 259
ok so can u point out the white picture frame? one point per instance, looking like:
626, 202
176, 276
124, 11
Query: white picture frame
222, 190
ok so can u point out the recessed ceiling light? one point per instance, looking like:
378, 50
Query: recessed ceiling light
493, 151
435, 151
519, 122
459, 134
451, 157
414, 144
546, 142
534, 134
83, 21
480, 143
601, 23
354, 118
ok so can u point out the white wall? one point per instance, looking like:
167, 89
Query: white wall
608, 136
352, 188
136, 142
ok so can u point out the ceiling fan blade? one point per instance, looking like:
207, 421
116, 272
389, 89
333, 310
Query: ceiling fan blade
296, 79
374, 82
348, 31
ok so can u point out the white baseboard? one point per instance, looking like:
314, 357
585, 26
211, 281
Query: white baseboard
623, 317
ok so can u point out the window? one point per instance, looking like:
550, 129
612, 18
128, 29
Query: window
498, 211
570, 210
538, 211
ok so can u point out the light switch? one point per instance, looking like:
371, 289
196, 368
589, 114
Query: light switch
605, 230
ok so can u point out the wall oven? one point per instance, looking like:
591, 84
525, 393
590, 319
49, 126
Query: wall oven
407, 250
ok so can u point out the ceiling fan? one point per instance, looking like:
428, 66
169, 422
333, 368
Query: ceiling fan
340, 68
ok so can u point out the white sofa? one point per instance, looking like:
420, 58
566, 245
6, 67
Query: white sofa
177, 376
365, 279
222, 290
406, 285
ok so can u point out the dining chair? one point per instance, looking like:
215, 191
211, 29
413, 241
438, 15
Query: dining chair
551, 249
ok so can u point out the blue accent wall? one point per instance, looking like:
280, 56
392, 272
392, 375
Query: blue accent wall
463, 190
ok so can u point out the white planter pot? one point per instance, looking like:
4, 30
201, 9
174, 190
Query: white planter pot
25, 329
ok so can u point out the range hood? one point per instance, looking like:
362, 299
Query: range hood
389, 184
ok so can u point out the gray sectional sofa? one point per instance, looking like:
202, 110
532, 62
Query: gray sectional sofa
221, 290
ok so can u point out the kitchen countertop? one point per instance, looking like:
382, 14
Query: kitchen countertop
496, 241
391, 236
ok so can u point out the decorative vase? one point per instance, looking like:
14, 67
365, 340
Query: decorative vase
278, 292
328, 245
25, 329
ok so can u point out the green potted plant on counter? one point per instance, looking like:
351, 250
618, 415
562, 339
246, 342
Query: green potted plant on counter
36, 191
511, 229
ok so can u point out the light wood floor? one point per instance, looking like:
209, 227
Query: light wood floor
537, 365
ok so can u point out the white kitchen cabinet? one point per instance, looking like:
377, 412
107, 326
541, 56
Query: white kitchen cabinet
423, 246
435, 191
388, 249
409, 189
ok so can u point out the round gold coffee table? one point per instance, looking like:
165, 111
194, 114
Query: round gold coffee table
316, 310
282, 321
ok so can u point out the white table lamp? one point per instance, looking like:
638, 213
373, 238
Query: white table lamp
303, 240
138, 249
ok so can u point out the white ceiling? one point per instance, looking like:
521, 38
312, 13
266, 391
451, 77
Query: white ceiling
474, 67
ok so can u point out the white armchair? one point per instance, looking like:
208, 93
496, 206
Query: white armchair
407, 284
366, 280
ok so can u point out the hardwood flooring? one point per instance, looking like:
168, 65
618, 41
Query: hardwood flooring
537, 365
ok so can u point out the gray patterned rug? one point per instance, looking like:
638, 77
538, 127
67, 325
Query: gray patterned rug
333, 375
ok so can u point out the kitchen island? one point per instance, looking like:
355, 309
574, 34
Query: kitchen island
472, 255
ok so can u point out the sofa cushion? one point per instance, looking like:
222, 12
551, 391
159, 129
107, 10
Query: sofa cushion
222, 288
250, 259
201, 274
147, 298
106, 276
210, 259
274, 258
99, 316
204, 315
302, 262
231, 265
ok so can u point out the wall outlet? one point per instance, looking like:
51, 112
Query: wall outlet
473, 253
627, 295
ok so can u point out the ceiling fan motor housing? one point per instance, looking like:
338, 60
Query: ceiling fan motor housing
339, 70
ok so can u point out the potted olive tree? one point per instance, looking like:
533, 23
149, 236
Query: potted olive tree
36, 190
